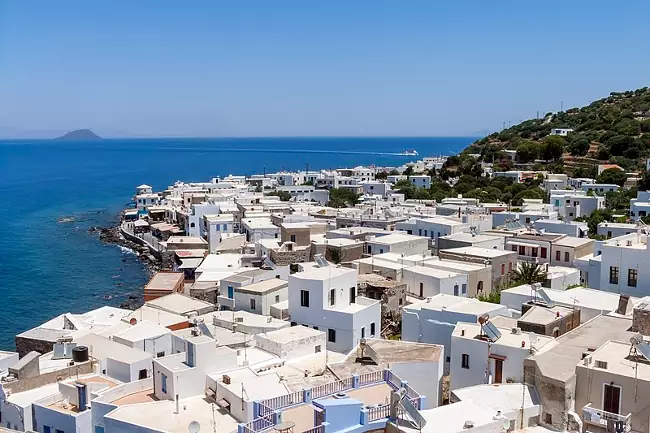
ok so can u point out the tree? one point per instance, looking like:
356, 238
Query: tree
258, 188
612, 176
382, 175
341, 197
284, 195
529, 273
552, 148
393, 172
409, 171
528, 151
579, 147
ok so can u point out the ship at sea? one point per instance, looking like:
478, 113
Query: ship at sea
409, 153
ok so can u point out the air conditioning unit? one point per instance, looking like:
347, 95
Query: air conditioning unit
239, 320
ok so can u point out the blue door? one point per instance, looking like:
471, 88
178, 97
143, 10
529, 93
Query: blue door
163, 379
231, 292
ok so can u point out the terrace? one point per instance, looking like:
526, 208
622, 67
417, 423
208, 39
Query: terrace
308, 409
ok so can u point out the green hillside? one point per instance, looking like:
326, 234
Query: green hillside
615, 129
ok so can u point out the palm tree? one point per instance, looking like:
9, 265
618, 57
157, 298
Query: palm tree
529, 273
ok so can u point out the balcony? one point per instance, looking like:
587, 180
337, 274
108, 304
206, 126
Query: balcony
604, 419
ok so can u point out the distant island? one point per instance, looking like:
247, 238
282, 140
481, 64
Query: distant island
80, 134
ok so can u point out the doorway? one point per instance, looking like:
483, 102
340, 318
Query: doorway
498, 371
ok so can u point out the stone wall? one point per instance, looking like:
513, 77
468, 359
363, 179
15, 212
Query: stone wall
25, 345
555, 397
283, 258
641, 320
302, 235
48, 378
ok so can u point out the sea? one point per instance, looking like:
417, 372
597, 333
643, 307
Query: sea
53, 191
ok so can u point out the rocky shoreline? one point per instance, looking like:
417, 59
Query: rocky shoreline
112, 235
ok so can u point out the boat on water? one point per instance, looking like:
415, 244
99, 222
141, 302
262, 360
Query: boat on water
409, 153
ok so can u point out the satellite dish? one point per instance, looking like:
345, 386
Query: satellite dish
194, 427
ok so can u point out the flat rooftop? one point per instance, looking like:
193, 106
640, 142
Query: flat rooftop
478, 252
570, 241
619, 361
323, 273
468, 237
454, 304
162, 416
165, 281
545, 315
559, 358
155, 315
395, 238
588, 298
142, 331
472, 330
506, 397
101, 347
451, 418
431, 272
179, 304
292, 333
263, 287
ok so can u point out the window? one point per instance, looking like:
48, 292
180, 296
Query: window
332, 297
163, 380
448, 359
609, 235
514, 248
543, 253
522, 250
421, 290
99, 429
566, 256
548, 418
317, 349
534, 252
479, 287
293, 238
277, 298
160, 355
331, 335
631, 277
252, 304
465, 361
142, 374
509, 266
463, 289
353, 295
372, 329
46, 428
381, 251
557, 256
316, 328
192, 225
611, 398
363, 332
527, 220
425, 233
455, 289
503, 268
401, 301
613, 275
304, 298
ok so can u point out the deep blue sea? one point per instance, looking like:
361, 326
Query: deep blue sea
51, 267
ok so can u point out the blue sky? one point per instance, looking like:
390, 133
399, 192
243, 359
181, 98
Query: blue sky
287, 68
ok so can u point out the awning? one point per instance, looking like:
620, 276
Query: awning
223, 404
495, 356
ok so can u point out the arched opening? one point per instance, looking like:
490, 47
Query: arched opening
479, 288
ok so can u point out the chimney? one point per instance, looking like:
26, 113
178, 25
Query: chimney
622, 304
82, 396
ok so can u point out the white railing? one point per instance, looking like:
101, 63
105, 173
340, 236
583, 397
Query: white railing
259, 424
318, 429
284, 400
331, 388
592, 415
374, 377
379, 412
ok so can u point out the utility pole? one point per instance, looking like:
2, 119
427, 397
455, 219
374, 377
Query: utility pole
504, 126
537, 114
561, 105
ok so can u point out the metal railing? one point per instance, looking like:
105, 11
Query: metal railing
379, 412
393, 380
331, 388
592, 415
317, 429
260, 424
284, 400
374, 377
